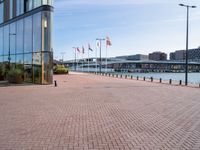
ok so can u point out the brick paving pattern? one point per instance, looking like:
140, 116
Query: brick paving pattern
88, 112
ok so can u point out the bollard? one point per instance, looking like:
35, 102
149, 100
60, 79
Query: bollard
144, 78
121, 76
137, 78
109, 74
151, 79
55, 83
170, 81
160, 80
125, 76
180, 82
131, 77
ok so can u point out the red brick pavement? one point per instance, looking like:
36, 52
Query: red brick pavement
88, 112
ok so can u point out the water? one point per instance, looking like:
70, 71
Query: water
192, 77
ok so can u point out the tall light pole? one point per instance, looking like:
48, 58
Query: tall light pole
9, 58
187, 35
100, 40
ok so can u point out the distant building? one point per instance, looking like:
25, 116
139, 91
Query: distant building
180, 55
134, 57
158, 56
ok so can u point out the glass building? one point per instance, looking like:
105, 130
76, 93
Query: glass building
26, 38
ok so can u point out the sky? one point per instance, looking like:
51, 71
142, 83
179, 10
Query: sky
134, 26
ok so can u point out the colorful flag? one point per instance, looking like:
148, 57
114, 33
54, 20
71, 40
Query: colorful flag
78, 49
89, 48
83, 50
108, 41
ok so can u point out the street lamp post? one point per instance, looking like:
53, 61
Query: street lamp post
100, 40
187, 35
9, 58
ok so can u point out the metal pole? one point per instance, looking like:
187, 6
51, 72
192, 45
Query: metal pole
186, 65
9, 53
88, 59
187, 37
106, 57
100, 57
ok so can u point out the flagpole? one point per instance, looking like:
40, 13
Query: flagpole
106, 57
96, 59
88, 58
82, 61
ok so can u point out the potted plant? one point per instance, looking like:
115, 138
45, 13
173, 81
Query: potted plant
60, 69
15, 76
2, 72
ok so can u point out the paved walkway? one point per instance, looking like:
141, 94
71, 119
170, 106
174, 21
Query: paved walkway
99, 113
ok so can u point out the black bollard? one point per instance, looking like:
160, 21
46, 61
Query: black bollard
160, 80
180, 82
144, 78
121, 76
125, 76
137, 78
151, 79
131, 77
55, 83
170, 81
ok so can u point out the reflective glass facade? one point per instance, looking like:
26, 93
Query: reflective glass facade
25, 38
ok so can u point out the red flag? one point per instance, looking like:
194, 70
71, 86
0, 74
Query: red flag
78, 49
108, 41
89, 48
83, 50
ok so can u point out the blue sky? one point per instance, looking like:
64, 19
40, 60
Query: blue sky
134, 26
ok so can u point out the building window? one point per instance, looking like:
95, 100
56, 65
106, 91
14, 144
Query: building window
20, 7
37, 32
6, 39
1, 12
12, 35
28, 36
1, 41
20, 37
11, 9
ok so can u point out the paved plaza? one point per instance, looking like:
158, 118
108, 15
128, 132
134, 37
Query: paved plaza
90, 112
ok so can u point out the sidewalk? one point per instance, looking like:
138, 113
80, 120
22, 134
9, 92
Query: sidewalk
99, 113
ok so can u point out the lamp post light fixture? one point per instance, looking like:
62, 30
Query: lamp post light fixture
9, 58
100, 40
187, 35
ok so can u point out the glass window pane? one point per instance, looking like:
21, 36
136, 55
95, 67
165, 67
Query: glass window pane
37, 3
12, 35
46, 25
6, 40
37, 33
28, 73
27, 58
20, 7
1, 12
1, 41
20, 37
11, 9
28, 39
19, 62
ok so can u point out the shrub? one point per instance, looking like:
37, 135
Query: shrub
15, 76
60, 69
2, 72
